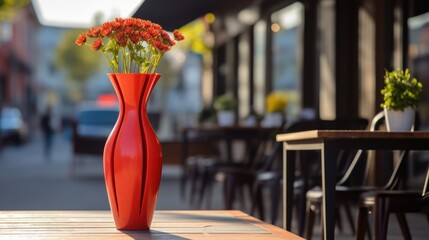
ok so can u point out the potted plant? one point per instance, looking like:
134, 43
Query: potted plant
207, 115
401, 95
225, 109
132, 156
276, 103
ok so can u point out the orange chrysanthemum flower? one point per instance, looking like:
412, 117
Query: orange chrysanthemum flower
178, 35
81, 39
121, 40
96, 45
135, 38
93, 32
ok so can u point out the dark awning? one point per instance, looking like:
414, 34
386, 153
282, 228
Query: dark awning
172, 14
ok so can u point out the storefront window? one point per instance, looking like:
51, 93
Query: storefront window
418, 63
259, 66
287, 26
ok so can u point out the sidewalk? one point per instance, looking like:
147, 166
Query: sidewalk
29, 181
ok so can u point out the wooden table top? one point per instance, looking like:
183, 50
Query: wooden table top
166, 225
349, 134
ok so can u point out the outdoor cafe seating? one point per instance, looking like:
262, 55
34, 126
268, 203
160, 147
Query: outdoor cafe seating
217, 153
349, 188
307, 169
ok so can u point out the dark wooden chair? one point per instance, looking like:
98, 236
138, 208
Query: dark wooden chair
236, 177
383, 203
306, 172
348, 193
199, 150
200, 170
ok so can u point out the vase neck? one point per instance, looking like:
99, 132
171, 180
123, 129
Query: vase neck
133, 90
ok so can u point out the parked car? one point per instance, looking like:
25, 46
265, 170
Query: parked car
13, 128
92, 126
96, 121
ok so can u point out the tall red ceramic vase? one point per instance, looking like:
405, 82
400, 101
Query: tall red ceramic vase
132, 156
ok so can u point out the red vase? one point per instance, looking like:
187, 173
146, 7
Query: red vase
132, 156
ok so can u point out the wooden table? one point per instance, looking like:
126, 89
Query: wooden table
329, 142
227, 134
166, 225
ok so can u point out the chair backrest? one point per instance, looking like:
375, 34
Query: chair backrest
376, 123
425, 192
399, 168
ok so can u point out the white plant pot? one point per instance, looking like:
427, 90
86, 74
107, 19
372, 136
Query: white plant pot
400, 121
272, 119
226, 118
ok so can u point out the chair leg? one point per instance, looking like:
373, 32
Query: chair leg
210, 189
204, 184
339, 220
381, 217
229, 191
275, 196
239, 186
257, 201
404, 226
311, 214
350, 218
183, 186
301, 210
362, 223
194, 183
369, 231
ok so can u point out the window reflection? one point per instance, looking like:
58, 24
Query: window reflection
418, 64
287, 26
419, 61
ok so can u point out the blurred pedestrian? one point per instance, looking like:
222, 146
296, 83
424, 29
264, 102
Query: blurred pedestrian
48, 131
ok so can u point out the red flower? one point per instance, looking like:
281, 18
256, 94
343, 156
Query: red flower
81, 39
152, 31
115, 25
161, 46
146, 24
178, 35
135, 38
145, 36
128, 31
93, 32
105, 32
96, 45
121, 38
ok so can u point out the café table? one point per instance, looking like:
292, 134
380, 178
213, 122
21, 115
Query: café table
329, 142
192, 224
226, 134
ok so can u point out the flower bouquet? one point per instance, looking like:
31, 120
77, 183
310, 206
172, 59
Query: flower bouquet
130, 45
132, 156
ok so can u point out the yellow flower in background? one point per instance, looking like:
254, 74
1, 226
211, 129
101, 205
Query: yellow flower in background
276, 102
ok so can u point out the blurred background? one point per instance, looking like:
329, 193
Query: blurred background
327, 56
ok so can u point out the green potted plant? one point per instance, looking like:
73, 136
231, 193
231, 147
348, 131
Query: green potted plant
401, 96
225, 109
207, 115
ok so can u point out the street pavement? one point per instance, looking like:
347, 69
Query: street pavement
31, 181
